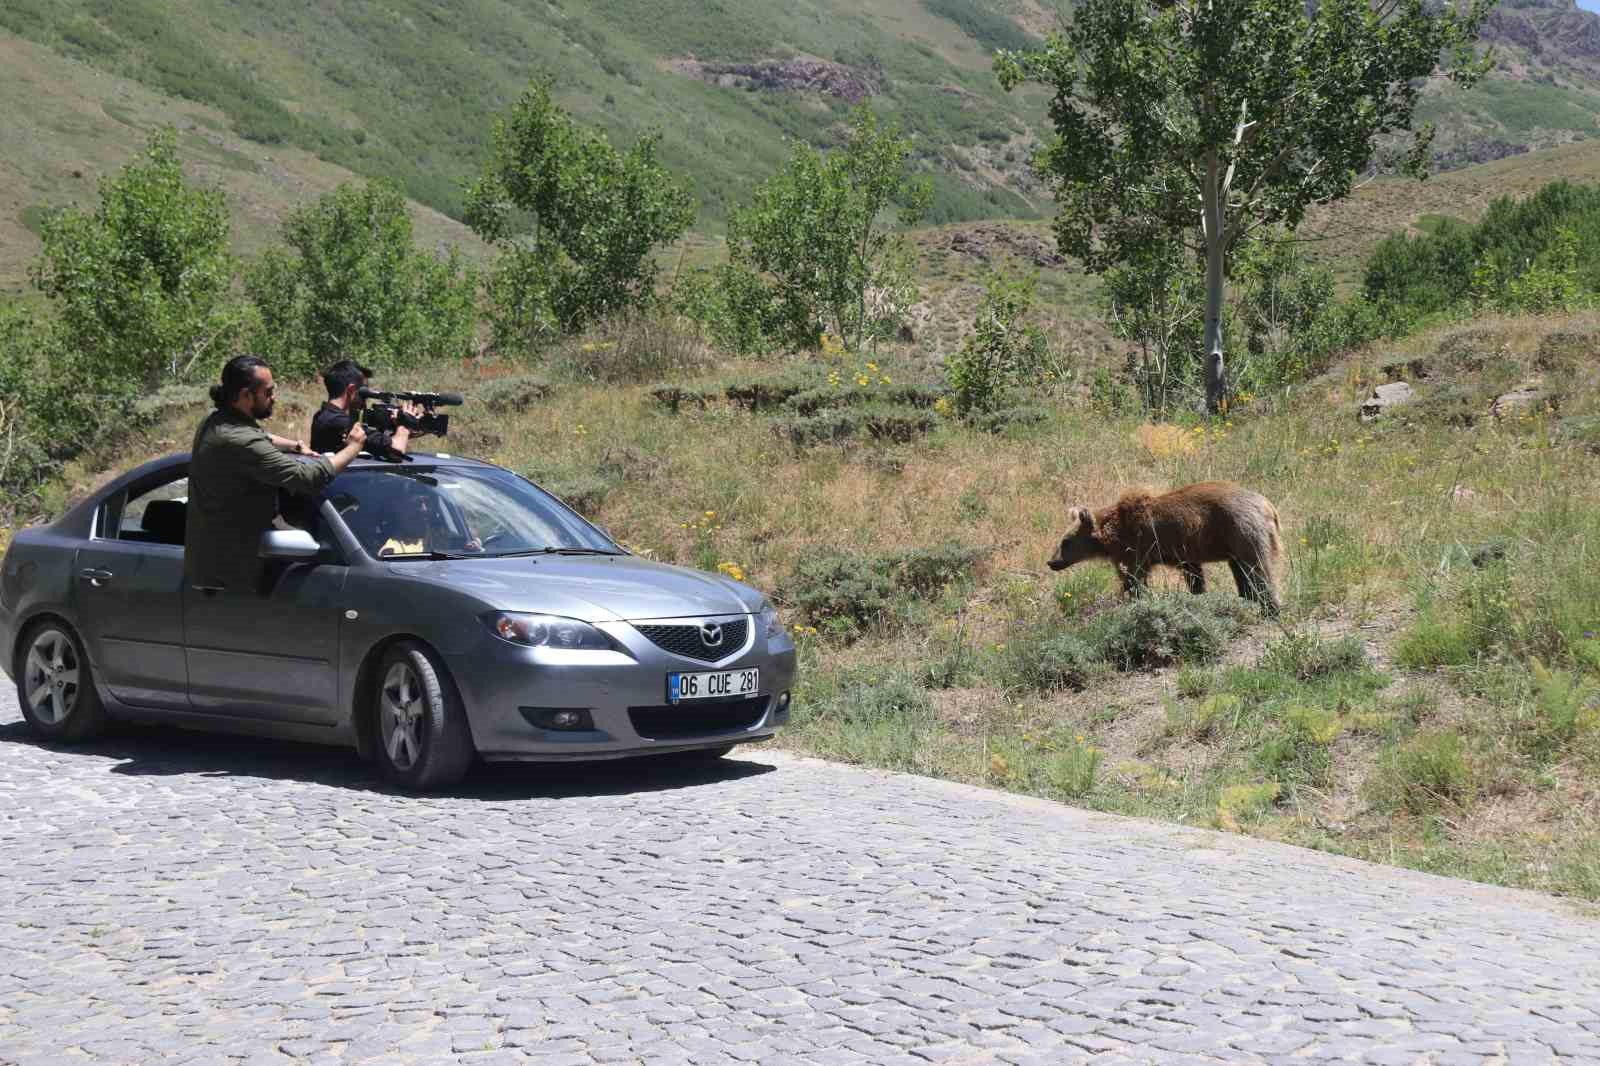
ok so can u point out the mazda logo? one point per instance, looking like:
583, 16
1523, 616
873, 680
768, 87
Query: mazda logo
711, 633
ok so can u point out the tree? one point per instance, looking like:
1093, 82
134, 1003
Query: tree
143, 282
353, 283
814, 231
1208, 119
576, 221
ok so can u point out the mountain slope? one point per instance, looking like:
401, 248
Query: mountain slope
410, 88
65, 125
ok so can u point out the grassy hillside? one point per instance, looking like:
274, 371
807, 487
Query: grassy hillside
1397, 711
409, 88
79, 125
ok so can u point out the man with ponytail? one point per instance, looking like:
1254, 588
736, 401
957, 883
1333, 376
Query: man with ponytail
236, 470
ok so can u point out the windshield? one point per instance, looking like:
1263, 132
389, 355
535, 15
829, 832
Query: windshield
477, 512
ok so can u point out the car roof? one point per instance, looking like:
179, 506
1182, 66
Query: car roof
80, 516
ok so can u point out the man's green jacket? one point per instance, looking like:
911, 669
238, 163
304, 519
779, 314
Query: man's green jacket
234, 477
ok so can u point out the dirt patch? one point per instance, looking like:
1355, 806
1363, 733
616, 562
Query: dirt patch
986, 240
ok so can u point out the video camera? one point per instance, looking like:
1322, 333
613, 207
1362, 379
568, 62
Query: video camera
388, 416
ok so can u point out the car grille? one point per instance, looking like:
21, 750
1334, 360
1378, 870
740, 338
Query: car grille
689, 641
697, 719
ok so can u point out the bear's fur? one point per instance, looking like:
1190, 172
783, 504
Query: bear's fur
1209, 522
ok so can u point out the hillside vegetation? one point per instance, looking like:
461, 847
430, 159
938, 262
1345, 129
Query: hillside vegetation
406, 89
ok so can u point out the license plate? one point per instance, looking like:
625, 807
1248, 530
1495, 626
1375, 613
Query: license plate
728, 684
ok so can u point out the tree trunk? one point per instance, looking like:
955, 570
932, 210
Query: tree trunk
1214, 225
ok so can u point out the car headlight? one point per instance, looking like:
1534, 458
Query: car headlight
770, 625
546, 631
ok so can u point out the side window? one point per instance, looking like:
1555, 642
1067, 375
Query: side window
155, 515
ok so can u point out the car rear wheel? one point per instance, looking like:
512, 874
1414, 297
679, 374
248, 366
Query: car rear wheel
423, 739
55, 686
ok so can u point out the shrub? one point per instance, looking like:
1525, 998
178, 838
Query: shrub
924, 571
354, 283
1431, 642
1001, 350
862, 716
1039, 660
765, 394
832, 427
1157, 630
674, 397
842, 592
576, 221
1566, 706
810, 401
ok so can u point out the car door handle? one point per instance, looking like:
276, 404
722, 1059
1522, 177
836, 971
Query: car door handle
96, 576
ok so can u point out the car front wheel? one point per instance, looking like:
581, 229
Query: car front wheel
55, 686
423, 739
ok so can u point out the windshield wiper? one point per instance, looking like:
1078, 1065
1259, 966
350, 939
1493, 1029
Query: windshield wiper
555, 551
424, 556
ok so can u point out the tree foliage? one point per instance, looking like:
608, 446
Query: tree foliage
815, 234
1533, 254
352, 282
575, 220
1205, 120
142, 283
1002, 349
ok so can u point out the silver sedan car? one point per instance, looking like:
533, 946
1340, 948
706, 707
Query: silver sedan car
421, 612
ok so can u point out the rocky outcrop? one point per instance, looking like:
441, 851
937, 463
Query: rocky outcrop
983, 241
800, 74
1385, 397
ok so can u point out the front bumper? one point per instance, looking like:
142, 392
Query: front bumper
506, 687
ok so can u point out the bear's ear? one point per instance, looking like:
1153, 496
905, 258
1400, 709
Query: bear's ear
1085, 519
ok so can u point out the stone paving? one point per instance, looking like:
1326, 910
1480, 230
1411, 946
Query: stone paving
185, 898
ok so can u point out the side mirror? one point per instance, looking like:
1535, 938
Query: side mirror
294, 544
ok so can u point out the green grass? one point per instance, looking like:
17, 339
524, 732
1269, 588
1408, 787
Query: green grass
401, 90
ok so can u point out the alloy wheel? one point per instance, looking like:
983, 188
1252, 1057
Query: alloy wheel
402, 707
51, 677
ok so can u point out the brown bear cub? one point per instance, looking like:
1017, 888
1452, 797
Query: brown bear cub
1210, 522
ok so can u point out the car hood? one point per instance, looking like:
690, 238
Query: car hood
589, 587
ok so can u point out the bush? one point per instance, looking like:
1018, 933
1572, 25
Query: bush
999, 421
847, 592
1156, 630
841, 592
1037, 660
1001, 350
832, 427
1296, 748
355, 284
924, 571
810, 401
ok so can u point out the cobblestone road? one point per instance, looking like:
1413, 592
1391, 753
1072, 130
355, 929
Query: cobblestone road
183, 898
